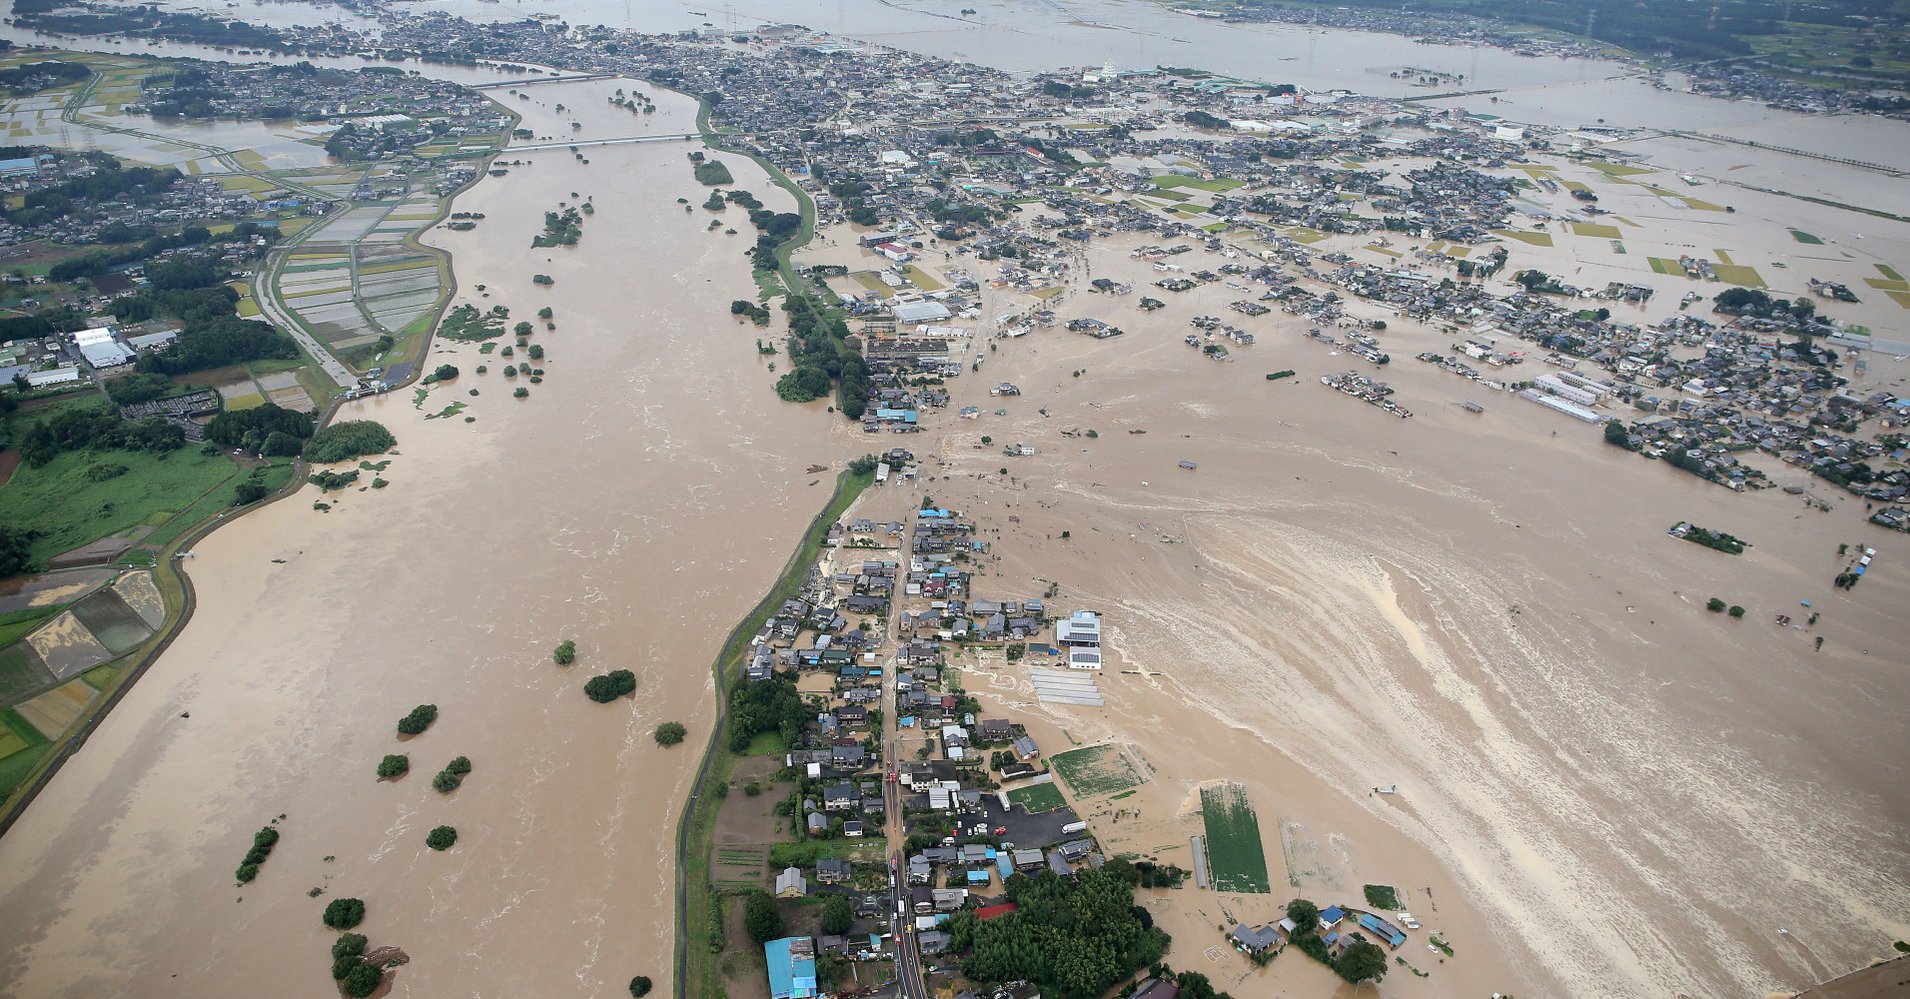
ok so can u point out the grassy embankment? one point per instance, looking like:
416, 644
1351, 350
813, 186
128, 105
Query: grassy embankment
698, 968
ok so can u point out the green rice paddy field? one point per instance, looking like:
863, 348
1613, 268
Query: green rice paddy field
1234, 855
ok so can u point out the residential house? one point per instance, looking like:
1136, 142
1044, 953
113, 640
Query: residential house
1254, 940
830, 871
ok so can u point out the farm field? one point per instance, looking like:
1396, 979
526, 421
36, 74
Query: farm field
1093, 770
1234, 855
21, 746
1038, 797
54, 711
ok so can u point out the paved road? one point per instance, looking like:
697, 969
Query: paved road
908, 956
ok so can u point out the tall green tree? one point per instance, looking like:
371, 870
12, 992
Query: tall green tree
1361, 962
761, 917
837, 914
1305, 915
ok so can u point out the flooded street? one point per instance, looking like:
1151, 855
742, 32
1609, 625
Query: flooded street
639, 501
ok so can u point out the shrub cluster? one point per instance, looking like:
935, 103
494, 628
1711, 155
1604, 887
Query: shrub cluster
393, 765
418, 720
610, 686
344, 913
356, 976
262, 843
452, 776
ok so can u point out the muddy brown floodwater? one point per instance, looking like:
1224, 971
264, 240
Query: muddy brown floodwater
640, 500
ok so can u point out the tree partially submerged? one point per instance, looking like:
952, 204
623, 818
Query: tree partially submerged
610, 686
418, 720
344, 913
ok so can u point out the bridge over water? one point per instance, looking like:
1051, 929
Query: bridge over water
535, 80
582, 143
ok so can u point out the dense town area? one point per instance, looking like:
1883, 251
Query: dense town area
919, 844
870, 824
1009, 180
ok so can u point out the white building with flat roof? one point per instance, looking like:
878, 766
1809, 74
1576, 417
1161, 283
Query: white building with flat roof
1079, 638
54, 376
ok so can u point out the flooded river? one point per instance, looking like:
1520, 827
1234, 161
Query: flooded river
1563, 739
640, 500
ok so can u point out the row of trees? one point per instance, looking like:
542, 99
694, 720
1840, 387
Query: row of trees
818, 346
95, 428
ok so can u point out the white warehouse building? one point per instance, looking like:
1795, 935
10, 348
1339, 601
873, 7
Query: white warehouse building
1079, 638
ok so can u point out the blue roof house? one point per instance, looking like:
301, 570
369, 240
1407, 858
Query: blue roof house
792, 968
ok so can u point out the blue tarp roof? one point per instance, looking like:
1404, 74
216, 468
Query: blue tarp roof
789, 977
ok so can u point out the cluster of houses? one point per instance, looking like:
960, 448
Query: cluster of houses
387, 111
1338, 928
70, 215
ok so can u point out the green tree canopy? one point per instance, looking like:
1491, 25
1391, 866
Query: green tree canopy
837, 914
1074, 937
1363, 961
344, 913
761, 917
